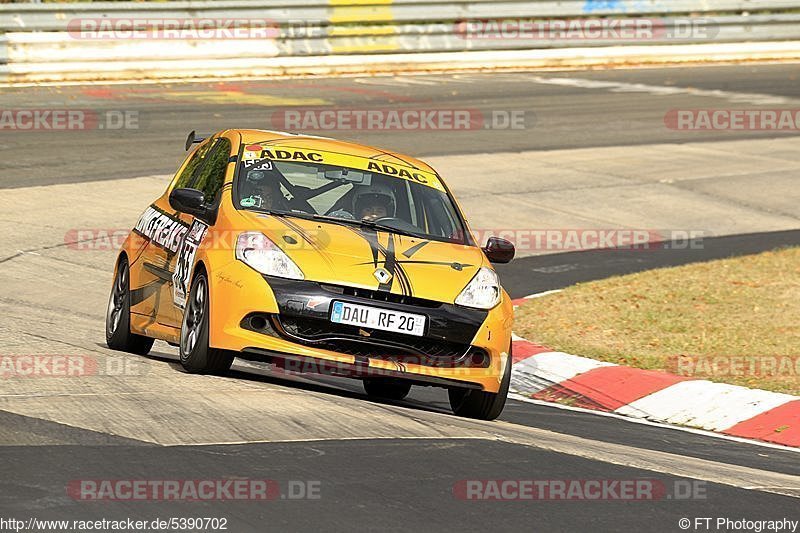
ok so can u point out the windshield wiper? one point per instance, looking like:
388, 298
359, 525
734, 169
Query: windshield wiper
344, 222
315, 216
384, 227
365, 223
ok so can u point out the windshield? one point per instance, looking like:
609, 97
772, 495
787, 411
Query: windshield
348, 196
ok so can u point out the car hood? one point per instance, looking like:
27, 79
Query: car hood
353, 256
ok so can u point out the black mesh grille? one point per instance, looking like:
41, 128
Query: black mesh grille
378, 344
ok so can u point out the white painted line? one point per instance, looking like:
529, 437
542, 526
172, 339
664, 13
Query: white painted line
664, 90
377, 80
537, 295
540, 294
703, 404
447, 79
422, 80
646, 422
396, 81
542, 370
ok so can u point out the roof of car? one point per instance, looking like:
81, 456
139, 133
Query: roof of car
312, 142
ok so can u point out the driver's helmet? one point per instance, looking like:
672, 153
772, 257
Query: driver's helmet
376, 194
257, 176
262, 181
263, 188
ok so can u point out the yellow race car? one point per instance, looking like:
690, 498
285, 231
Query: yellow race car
317, 255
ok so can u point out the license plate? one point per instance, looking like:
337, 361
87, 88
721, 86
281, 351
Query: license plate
377, 318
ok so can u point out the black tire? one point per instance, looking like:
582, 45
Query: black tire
196, 356
482, 405
118, 315
387, 388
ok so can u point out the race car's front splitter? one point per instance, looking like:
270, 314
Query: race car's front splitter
294, 363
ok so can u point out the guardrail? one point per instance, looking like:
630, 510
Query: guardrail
89, 40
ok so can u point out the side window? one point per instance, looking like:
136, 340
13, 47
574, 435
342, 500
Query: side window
212, 174
191, 168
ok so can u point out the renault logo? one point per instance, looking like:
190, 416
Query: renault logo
382, 275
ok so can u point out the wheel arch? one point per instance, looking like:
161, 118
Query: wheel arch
123, 254
200, 266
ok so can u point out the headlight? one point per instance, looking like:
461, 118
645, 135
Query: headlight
257, 251
483, 292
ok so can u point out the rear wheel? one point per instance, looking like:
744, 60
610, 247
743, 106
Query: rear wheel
387, 388
483, 405
118, 316
196, 356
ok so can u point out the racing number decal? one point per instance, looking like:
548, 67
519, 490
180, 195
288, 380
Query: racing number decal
183, 264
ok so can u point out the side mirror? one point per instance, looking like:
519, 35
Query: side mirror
187, 201
499, 250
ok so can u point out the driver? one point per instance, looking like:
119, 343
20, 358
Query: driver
373, 202
261, 190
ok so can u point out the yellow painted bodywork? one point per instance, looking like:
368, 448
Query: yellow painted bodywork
326, 253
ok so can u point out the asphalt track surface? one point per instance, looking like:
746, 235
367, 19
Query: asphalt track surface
557, 116
382, 480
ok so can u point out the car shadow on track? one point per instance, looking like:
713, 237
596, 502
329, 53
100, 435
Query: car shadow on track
420, 398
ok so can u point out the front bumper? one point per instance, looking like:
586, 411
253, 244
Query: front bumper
304, 364
460, 347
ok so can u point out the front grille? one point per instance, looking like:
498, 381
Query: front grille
377, 344
381, 296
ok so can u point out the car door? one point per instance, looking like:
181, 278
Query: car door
163, 228
209, 180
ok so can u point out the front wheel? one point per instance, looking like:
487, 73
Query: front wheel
482, 405
118, 316
387, 388
196, 356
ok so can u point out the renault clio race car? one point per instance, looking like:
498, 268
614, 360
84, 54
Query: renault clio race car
322, 256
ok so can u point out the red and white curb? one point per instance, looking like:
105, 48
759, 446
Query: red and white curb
542, 374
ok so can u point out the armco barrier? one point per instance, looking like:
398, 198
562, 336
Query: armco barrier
3, 49
55, 17
40, 41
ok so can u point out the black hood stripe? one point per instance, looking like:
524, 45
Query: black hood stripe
389, 265
300, 231
372, 239
414, 249
396, 269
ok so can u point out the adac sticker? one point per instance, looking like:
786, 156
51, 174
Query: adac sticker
275, 153
291, 155
401, 172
